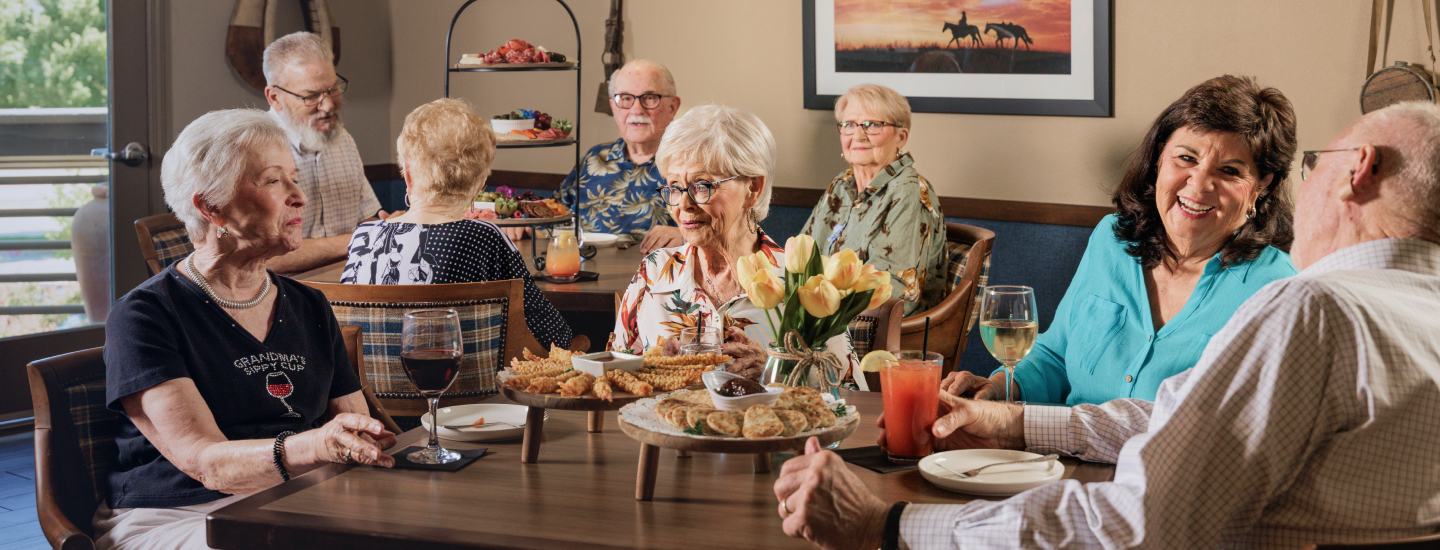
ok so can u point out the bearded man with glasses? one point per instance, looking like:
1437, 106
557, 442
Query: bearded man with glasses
305, 97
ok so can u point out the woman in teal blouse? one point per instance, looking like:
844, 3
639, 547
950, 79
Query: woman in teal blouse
1203, 219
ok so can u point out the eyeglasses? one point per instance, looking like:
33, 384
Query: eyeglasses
314, 99
871, 127
700, 192
1307, 162
648, 101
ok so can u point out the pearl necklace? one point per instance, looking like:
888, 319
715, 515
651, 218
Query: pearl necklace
227, 304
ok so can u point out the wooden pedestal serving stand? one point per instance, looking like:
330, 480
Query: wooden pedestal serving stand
535, 416
651, 442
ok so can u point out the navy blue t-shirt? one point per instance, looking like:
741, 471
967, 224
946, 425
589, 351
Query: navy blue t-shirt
167, 328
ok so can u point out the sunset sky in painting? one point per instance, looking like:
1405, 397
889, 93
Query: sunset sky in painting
914, 22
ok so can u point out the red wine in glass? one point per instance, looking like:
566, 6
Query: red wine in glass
431, 371
278, 385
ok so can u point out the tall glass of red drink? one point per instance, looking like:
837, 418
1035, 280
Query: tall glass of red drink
910, 387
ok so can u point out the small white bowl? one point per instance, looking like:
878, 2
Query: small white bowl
479, 205
715, 378
593, 365
598, 239
505, 126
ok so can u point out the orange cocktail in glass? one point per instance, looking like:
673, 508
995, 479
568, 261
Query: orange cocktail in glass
910, 387
562, 261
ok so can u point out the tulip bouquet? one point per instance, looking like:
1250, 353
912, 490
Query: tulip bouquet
820, 294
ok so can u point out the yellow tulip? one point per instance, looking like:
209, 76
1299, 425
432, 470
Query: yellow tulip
843, 269
881, 294
819, 297
797, 252
870, 279
765, 289
747, 266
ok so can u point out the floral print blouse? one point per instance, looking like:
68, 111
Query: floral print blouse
895, 224
616, 195
664, 298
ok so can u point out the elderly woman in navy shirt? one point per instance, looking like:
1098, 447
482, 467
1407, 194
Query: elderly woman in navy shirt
231, 378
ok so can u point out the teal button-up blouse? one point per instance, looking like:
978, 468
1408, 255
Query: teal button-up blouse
1102, 344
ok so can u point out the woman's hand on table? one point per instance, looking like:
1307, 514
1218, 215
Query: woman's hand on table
749, 356
825, 503
661, 236
972, 424
965, 384
363, 436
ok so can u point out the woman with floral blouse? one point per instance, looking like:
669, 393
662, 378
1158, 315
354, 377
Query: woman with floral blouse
718, 163
881, 207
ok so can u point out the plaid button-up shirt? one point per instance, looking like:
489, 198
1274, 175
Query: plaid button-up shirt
338, 197
1311, 418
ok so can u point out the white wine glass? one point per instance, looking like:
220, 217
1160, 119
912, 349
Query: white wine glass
1008, 326
430, 351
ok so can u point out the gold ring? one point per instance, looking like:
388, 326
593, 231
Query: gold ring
785, 507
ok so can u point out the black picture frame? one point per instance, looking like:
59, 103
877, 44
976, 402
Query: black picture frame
1100, 105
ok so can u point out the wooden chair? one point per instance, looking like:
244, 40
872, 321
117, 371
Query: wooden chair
492, 325
874, 329
1426, 542
354, 352
74, 444
163, 241
953, 318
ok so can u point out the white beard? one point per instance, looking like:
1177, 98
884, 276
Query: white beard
303, 131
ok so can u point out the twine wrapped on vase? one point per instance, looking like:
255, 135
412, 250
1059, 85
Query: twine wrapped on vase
806, 358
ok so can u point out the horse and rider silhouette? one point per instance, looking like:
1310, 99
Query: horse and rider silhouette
963, 30
1015, 33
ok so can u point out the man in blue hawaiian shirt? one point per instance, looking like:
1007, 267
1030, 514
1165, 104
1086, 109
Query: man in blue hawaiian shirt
618, 180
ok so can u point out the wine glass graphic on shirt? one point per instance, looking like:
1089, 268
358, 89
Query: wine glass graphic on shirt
278, 384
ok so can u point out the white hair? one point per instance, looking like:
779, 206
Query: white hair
722, 140
294, 49
1417, 167
211, 157
666, 78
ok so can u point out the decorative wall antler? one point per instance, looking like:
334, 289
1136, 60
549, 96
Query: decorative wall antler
252, 28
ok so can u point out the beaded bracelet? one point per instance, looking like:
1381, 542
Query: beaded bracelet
279, 455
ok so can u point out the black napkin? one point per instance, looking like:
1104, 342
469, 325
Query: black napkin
579, 278
873, 458
466, 457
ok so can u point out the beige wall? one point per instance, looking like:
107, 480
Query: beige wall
747, 54
202, 81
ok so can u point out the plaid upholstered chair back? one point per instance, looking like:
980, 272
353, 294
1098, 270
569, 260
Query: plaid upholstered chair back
492, 329
74, 443
874, 329
163, 241
952, 320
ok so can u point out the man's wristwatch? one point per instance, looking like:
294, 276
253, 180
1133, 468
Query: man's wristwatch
891, 539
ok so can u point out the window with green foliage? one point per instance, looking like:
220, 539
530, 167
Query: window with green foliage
52, 53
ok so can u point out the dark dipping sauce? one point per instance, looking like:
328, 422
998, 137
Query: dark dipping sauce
605, 359
737, 387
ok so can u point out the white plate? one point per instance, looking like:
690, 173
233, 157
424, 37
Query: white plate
466, 414
1000, 481
590, 364
598, 239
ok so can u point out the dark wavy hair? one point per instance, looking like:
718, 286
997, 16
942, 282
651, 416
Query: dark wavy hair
1230, 104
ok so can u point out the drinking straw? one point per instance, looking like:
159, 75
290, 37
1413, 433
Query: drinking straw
925, 344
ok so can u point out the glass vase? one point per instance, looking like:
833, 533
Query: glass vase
777, 370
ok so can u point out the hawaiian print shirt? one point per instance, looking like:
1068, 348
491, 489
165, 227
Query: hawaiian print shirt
664, 298
616, 195
894, 225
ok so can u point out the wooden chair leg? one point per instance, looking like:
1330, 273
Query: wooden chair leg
646, 473
762, 463
534, 432
597, 421
682, 454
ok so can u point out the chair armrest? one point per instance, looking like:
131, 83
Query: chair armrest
59, 531
944, 310
378, 412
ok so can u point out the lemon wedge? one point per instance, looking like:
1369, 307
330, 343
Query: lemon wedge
874, 359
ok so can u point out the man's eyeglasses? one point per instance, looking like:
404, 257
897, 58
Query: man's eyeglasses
314, 99
648, 101
1307, 162
871, 127
700, 192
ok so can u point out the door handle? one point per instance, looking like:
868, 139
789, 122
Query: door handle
132, 155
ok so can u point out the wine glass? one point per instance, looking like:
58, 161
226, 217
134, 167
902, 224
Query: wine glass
279, 386
430, 353
1008, 326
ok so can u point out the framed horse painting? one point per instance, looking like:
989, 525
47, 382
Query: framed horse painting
1007, 57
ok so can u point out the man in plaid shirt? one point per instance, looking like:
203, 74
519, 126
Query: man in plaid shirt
1309, 419
305, 96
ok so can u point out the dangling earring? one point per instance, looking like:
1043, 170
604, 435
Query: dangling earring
407, 200
754, 225
1249, 214
222, 231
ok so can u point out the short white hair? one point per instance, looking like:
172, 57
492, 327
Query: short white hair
722, 140
211, 157
667, 79
1417, 168
296, 48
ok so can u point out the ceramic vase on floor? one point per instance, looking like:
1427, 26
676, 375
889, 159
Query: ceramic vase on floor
90, 243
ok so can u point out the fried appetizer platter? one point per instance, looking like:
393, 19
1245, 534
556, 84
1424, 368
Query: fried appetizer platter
797, 410
557, 374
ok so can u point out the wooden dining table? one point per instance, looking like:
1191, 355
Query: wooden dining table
580, 494
616, 267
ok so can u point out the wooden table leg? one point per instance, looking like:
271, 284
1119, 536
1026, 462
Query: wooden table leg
762, 463
597, 421
534, 432
648, 470
682, 454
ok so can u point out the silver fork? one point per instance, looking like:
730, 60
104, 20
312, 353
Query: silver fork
463, 426
975, 472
